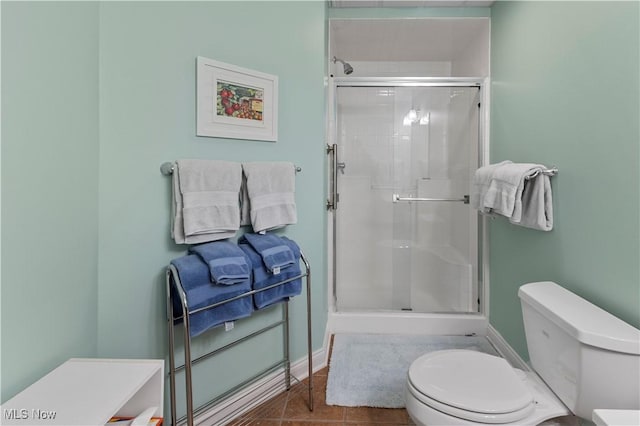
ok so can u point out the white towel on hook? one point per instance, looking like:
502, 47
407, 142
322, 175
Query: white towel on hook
205, 200
271, 193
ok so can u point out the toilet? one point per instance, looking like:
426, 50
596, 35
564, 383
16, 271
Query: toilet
583, 359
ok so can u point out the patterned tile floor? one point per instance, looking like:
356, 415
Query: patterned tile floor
291, 408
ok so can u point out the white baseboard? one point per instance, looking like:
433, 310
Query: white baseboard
259, 392
505, 349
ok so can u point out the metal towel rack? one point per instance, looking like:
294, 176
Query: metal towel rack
168, 167
173, 281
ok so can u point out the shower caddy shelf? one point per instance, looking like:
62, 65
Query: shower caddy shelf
285, 362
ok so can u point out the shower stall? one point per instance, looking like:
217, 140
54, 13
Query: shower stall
407, 125
407, 245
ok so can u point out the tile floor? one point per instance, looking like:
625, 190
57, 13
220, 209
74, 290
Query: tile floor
291, 409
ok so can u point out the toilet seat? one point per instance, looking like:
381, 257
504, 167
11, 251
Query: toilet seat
470, 385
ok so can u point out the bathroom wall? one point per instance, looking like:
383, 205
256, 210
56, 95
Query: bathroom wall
565, 92
49, 187
85, 207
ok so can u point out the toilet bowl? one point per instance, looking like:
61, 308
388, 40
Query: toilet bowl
582, 359
465, 387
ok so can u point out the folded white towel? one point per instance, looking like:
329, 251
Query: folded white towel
534, 209
271, 192
506, 186
245, 205
480, 186
518, 191
205, 200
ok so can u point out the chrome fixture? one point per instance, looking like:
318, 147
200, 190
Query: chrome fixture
348, 69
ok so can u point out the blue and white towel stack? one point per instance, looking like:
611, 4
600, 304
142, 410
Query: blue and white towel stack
273, 259
212, 273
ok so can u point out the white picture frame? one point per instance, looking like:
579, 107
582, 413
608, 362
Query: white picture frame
235, 102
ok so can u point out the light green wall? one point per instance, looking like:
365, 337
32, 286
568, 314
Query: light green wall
565, 92
147, 117
49, 187
134, 62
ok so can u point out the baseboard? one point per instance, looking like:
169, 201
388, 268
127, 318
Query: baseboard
505, 349
259, 392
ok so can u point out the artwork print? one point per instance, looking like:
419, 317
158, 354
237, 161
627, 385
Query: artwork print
235, 102
239, 101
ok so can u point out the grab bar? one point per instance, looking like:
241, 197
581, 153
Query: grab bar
397, 197
332, 202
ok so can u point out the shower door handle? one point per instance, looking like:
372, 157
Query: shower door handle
397, 198
332, 202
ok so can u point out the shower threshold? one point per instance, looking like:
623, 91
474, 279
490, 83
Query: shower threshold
406, 322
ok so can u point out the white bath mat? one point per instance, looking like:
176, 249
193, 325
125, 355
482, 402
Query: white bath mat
370, 370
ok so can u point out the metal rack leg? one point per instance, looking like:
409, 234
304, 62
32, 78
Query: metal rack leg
172, 361
287, 358
187, 367
309, 343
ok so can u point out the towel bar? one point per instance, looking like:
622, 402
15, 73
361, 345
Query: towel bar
167, 168
549, 172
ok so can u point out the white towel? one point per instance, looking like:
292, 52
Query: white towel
271, 191
205, 200
534, 209
481, 181
506, 186
245, 205
520, 192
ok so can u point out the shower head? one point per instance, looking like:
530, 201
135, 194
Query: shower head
348, 69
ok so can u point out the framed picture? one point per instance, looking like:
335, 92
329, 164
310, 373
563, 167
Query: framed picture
235, 102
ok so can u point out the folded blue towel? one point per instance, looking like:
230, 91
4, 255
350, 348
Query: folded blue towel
263, 278
275, 253
196, 281
228, 264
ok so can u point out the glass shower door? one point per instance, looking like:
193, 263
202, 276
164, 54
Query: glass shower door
399, 147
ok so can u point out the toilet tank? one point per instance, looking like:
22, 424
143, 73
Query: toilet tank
589, 358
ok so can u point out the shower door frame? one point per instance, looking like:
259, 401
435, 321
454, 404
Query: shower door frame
333, 205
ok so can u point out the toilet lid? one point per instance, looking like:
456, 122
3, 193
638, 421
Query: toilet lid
471, 381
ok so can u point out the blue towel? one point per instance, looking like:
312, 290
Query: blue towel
263, 278
195, 279
228, 264
275, 253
